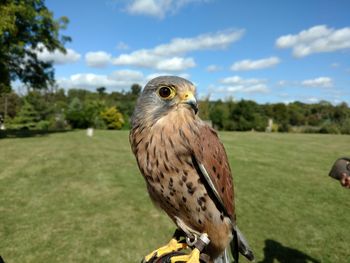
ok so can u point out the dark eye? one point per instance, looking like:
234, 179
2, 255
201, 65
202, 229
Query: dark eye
164, 92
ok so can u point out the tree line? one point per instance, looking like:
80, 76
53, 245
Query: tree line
80, 108
60, 110
245, 115
27, 28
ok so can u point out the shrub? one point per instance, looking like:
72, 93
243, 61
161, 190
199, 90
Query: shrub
330, 128
113, 118
75, 114
43, 125
58, 123
345, 127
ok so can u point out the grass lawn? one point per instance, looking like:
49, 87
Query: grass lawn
66, 197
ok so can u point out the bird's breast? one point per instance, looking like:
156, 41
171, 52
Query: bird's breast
164, 154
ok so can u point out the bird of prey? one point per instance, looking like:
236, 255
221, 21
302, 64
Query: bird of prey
186, 169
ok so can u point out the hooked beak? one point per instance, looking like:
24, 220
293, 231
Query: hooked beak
189, 99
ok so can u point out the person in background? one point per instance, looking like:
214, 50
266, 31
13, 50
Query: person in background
341, 171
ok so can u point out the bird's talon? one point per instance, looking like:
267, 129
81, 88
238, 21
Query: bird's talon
172, 246
149, 257
193, 257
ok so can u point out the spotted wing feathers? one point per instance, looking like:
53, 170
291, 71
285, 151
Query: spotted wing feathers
212, 161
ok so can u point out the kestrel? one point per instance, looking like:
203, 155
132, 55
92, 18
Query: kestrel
186, 170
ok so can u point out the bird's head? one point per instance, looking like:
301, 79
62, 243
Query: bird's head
163, 95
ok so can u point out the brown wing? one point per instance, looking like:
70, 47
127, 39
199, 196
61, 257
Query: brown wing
212, 156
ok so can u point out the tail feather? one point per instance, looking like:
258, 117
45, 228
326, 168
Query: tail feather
235, 246
240, 245
224, 258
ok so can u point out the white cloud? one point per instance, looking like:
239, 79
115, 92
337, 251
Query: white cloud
316, 39
120, 79
335, 65
139, 58
248, 64
149, 60
237, 84
259, 88
175, 64
148, 7
321, 82
169, 56
157, 74
122, 46
157, 8
236, 80
116, 80
216, 40
213, 68
127, 75
282, 83
311, 99
98, 59
89, 80
56, 56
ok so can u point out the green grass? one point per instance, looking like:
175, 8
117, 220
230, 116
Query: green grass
66, 197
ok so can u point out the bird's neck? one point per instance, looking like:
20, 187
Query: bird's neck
179, 116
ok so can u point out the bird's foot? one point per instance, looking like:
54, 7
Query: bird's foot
193, 257
172, 246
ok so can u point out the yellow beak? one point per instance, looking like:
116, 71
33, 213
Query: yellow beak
189, 99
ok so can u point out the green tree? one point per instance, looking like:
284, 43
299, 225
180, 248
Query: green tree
101, 91
59, 101
75, 114
25, 27
345, 127
341, 113
218, 114
92, 113
113, 118
81, 94
204, 108
41, 104
248, 115
280, 115
9, 104
27, 118
136, 89
296, 114
85, 114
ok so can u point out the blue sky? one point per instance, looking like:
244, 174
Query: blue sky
267, 51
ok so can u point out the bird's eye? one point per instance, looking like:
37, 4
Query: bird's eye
166, 92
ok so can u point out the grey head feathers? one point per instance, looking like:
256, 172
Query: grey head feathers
150, 106
166, 80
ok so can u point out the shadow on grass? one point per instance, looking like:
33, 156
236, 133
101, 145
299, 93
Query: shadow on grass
274, 250
27, 133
